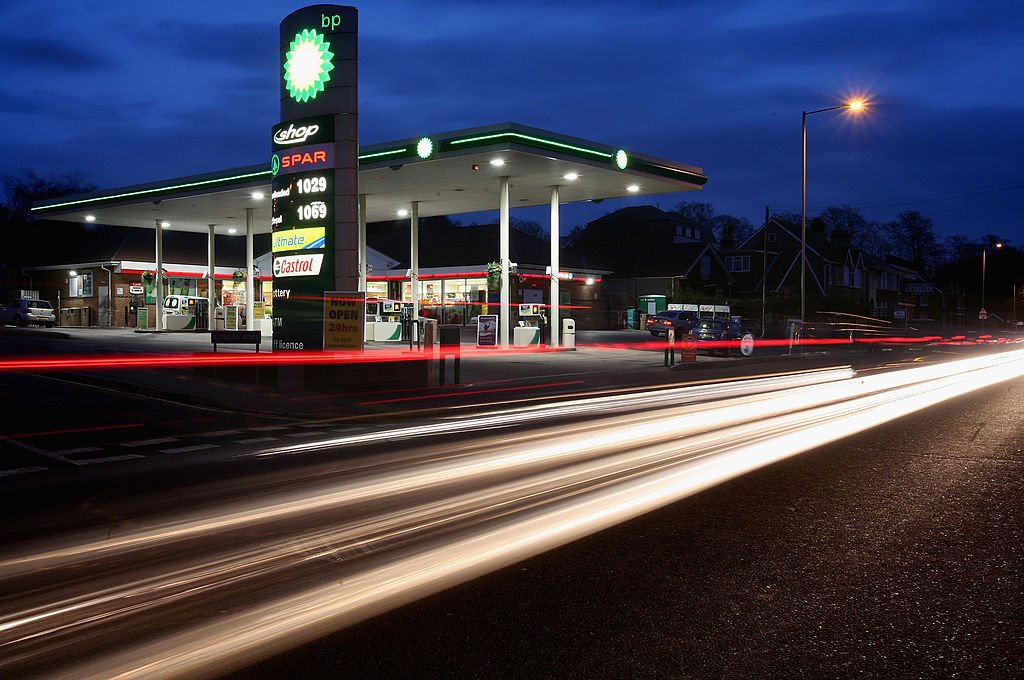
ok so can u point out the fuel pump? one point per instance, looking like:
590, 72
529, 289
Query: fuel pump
528, 330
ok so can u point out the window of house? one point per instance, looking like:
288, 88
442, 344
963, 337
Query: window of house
771, 237
738, 263
679, 230
923, 300
856, 278
705, 266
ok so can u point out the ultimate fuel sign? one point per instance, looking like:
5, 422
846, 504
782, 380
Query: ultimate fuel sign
315, 174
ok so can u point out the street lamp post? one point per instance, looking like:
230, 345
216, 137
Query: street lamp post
984, 252
853, 106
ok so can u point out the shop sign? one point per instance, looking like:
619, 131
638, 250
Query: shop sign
135, 288
570, 276
312, 130
298, 239
302, 158
297, 265
343, 319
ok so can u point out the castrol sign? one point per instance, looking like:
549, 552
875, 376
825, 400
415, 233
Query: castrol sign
297, 265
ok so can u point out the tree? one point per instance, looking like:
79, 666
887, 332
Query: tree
574, 236
844, 218
913, 238
727, 226
960, 249
25, 189
700, 214
531, 227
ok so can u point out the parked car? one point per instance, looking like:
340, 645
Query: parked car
718, 330
23, 312
680, 321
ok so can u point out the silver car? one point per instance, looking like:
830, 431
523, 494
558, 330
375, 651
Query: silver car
23, 312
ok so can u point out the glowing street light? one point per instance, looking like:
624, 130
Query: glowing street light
856, 105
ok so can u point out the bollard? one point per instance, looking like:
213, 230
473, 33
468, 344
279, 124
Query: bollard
451, 342
670, 347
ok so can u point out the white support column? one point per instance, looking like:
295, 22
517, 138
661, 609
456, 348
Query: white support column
556, 324
211, 279
250, 273
159, 276
363, 273
505, 297
414, 260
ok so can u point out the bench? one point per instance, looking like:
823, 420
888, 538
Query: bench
236, 338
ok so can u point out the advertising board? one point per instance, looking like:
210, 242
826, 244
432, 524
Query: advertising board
344, 318
487, 330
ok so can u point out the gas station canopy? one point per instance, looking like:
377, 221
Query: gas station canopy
447, 174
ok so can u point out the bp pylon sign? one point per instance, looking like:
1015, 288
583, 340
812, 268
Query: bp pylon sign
314, 170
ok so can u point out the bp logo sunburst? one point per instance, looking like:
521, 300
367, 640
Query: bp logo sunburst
307, 65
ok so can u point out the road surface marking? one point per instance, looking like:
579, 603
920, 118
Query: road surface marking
20, 471
269, 428
110, 459
187, 449
84, 449
255, 440
220, 433
150, 442
303, 434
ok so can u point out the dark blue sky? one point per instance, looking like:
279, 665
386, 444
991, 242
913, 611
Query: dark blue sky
131, 92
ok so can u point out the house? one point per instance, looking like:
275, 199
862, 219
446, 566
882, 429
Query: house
651, 252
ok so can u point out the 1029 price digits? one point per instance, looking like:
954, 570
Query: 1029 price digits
311, 185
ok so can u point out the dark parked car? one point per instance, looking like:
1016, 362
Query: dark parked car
718, 330
681, 322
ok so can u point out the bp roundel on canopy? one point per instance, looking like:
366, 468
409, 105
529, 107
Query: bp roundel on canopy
307, 65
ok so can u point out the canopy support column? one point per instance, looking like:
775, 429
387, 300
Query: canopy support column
250, 273
414, 261
211, 280
363, 269
159, 276
505, 297
553, 317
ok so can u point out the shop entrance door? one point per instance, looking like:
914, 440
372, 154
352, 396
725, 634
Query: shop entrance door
103, 302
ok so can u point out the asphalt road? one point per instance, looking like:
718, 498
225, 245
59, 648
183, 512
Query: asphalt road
875, 556
893, 553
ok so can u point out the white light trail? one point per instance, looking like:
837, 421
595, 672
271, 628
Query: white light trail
405, 533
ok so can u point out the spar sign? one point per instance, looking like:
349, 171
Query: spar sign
297, 265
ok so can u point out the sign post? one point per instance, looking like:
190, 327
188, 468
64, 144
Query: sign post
688, 351
314, 172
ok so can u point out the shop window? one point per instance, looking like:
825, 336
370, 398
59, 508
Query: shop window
80, 285
377, 289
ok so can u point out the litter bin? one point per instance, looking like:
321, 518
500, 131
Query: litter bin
427, 332
569, 333
450, 337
